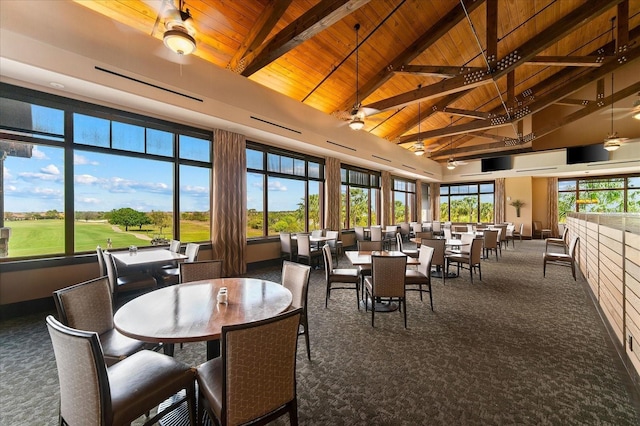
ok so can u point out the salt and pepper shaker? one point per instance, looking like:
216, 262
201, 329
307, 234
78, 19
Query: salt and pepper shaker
222, 295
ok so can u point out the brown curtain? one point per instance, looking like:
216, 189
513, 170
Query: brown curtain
552, 203
332, 206
499, 200
387, 208
434, 213
418, 207
229, 201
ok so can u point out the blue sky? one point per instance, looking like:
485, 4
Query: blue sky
102, 183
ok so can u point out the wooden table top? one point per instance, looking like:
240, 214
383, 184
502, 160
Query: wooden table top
360, 258
190, 312
147, 257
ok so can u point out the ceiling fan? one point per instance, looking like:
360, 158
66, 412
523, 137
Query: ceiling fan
179, 34
452, 163
612, 141
418, 147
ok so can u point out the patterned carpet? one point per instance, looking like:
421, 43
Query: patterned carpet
515, 348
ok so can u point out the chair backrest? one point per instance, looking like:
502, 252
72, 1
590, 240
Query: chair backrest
459, 228
416, 227
424, 235
334, 235
502, 235
285, 242
565, 235
436, 226
447, 233
476, 251
112, 271
521, 228
510, 229
86, 306
192, 252
376, 233
466, 239
425, 257
359, 230
426, 226
317, 233
399, 241
304, 245
174, 246
573, 245
202, 270
295, 278
388, 274
101, 266
490, 237
259, 367
405, 228
328, 261
537, 226
85, 397
369, 245
438, 253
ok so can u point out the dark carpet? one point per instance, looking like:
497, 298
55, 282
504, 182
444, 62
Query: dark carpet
514, 348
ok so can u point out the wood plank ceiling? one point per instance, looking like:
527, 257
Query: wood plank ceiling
473, 71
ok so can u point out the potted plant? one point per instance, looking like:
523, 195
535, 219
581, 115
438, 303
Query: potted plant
517, 204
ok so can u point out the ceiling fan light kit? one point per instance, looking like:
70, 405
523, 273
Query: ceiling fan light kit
636, 108
179, 36
356, 123
450, 164
612, 143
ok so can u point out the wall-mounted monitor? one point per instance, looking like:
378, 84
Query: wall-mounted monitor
495, 164
587, 154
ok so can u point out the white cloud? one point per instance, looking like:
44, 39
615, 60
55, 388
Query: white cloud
10, 188
86, 179
51, 169
195, 190
80, 160
88, 200
47, 193
276, 186
37, 154
39, 176
6, 173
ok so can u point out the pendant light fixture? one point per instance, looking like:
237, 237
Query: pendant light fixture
356, 123
451, 164
612, 141
419, 146
180, 33
636, 108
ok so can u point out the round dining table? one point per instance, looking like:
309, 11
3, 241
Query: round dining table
190, 312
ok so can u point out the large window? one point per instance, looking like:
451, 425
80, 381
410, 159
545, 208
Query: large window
467, 202
404, 200
360, 192
78, 175
598, 195
290, 185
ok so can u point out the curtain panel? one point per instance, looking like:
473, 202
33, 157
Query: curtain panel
499, 201
332, 206
229, 201
386, 207
434, 213
552, 205
417, 211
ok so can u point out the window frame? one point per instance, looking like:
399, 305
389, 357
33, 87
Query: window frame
374, 185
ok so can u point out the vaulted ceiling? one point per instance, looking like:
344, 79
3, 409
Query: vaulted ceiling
464, 77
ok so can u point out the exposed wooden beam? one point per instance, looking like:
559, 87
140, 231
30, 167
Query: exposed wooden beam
623, 26
467, 113
511, 91
445, 71
456, 130
599, 91
422, 43
492, 33
567, 61
269, 17
573, 102
486, 135
318, 18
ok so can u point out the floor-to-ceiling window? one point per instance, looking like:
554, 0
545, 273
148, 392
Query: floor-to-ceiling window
77, 175
360, 193
289, 185
404, 200
612, 194
467, 202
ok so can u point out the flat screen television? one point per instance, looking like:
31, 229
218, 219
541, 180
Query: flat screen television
495, 164
587, 154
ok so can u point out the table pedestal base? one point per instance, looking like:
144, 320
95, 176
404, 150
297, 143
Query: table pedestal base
380, 306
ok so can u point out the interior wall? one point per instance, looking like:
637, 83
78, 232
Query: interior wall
520, 188
539, 201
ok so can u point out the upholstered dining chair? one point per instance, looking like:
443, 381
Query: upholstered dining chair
348, 279
121, 283
317, 233
174, 247
386, 282
201, 270
562, 259
517, 233
471, 259
405, 230
306, 251
389, 236
170, 276
438, 260
102, 268
88, 306
416, 228
415, 279
287, 249
92, 394
364, 270
359, 231
490, 237
562, 242
295, 278
400, 247
424, 235
335, 245
254, 381
376, 233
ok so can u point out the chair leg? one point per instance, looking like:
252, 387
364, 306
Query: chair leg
293, 412
305, 324
404, 301
326, 297
191, 403
544, 268
430, 296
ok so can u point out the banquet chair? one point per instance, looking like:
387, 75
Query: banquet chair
562, 259
171, 276
201, 270
254, 381
400, 247
341, 276
414, 279
295, 278
306, 251
88, 306
364, 270
472, 259
386, 281
502, 236
510, 235
537, 229
375, 232
561, 242
438, 259
405, 230
124, 283
92, 393
335, 245
359, 230
518, 233
287, 248
490, 237
465, 244
416, 228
